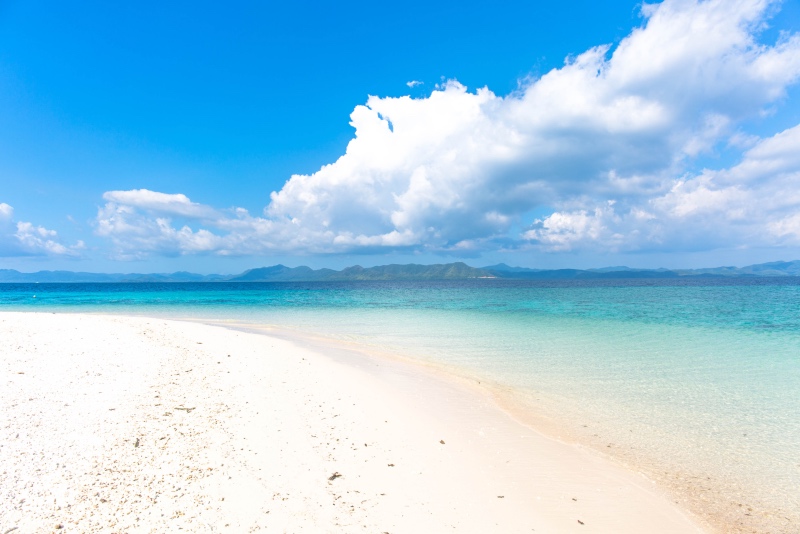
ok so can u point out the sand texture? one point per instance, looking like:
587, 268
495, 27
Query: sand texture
131, 424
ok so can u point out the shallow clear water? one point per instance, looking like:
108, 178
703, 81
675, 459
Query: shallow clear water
696, 377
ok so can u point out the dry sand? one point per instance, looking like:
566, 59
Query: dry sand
130, 424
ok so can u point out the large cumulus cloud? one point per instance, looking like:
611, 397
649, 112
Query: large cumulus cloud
606, 143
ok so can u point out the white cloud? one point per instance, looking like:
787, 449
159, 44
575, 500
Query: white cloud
19, 238
161, 203
754, 203
414, 83
607, 139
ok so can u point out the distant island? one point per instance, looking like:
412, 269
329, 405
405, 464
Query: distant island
447, 271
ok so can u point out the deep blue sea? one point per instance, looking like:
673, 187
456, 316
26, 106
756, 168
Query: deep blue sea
695, 381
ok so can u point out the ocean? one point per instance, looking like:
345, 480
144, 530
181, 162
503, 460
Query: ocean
695, 382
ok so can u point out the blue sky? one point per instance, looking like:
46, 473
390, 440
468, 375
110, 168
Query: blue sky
146, 137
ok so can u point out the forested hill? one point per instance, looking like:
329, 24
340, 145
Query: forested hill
446, 271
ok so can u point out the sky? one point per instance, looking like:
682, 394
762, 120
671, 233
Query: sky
209, 137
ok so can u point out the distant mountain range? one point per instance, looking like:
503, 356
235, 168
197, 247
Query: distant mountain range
447, 271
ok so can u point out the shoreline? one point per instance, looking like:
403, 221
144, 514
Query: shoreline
492, 472
716, 505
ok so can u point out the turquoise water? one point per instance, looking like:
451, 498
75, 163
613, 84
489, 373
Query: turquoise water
689, 380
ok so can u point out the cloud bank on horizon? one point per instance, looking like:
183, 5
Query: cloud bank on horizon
603, 145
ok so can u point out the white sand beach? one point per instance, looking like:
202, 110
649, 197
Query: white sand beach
133, 424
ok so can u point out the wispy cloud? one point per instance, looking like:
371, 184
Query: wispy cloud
414, 83
160, 203
20, 238
606, 141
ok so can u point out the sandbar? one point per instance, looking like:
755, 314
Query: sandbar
136, 424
